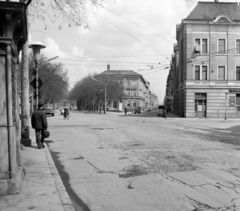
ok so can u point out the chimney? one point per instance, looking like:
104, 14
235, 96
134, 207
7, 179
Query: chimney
216, 1
108, 67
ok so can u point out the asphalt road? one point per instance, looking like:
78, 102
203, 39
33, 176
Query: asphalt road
141, 162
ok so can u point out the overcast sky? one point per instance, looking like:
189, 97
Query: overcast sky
111, 39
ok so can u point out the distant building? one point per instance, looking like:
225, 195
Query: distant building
136, 89
205, 66
168, 101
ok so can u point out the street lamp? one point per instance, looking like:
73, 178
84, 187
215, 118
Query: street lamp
226, 96
36, 54
105, 93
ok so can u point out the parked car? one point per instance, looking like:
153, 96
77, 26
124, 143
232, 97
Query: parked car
137, 110
49, 110
161, 111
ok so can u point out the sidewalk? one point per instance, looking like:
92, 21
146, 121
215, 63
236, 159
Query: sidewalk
42, 188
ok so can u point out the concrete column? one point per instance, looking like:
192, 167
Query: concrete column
11, 150
18, 120
25, 107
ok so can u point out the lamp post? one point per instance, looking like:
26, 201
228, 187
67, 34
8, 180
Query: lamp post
226, 106
36, 54
105, 92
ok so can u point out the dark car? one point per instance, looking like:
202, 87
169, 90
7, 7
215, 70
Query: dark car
137, 110
161, 111
49, 110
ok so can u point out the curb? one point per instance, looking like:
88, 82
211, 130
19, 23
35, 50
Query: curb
66, 201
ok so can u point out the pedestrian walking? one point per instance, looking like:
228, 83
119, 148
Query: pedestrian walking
39, 123
125, 110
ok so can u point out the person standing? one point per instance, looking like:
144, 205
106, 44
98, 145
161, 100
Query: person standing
126, 110
39, 123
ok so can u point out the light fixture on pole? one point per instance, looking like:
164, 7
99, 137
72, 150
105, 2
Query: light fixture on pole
36, 54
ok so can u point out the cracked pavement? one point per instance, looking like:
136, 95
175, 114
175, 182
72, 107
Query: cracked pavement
147, 163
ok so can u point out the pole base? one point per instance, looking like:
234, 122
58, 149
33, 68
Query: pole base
26, 142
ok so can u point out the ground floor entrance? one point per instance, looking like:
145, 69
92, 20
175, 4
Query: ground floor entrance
237, 105
200, 105
200, 108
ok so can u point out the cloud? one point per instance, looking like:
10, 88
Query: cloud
112, 38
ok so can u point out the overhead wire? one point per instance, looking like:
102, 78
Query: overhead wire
206, 55
156, 71
128, 33
82, 60
135, 23
86, 57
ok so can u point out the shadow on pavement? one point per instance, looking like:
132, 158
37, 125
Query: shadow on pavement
151, 115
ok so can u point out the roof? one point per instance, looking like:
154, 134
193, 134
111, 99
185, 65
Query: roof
123, 73
120, 73
210, 10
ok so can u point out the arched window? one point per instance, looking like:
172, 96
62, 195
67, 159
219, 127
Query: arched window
222, 19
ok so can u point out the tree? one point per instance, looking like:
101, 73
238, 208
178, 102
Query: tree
55, 80
153, 99
74, 12
89, 92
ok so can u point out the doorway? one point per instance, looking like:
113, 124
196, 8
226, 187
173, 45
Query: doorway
200, 108
237, 105
200, 105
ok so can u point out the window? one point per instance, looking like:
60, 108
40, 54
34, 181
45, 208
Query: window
204, 45
197, 72
134, 93
204, 72
134, 82
128, 92
201, 45
134, 103
201, 72
223, 20
238, 46
221, 46
128, 82
221, 73
238, 73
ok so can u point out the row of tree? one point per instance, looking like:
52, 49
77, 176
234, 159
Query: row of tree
90, 94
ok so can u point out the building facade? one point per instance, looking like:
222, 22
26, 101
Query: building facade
205, 66
136, 89
13, 35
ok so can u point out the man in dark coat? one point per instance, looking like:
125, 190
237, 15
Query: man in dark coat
39, 123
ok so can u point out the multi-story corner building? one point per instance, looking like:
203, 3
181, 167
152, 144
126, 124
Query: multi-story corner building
206, 62
136, 89
168, 101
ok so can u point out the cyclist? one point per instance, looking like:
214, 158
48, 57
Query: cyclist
66, 113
